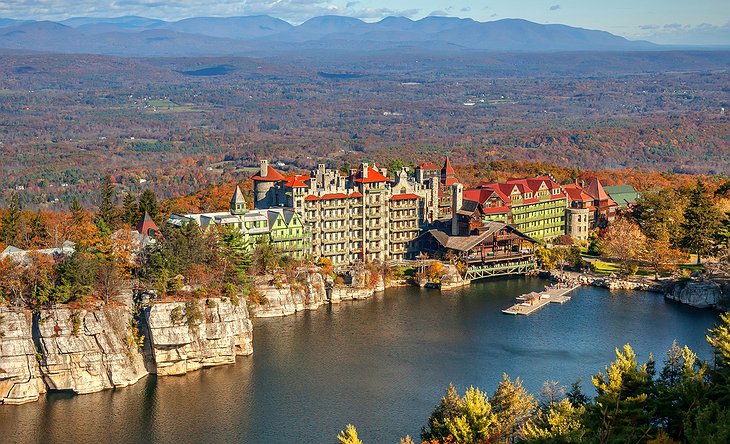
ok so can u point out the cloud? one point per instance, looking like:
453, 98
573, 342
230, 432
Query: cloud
465, 9
351, 4
685, 34
554, 7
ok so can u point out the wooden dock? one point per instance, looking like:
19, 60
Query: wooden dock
531, 302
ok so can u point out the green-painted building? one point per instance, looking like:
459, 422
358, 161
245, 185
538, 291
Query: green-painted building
536, 207
282, 227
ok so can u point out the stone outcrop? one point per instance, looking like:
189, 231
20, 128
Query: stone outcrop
20, 378
88, 351
201, 333
700, 293
616, 283
308, 291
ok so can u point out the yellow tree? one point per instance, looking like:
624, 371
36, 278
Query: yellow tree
625, 242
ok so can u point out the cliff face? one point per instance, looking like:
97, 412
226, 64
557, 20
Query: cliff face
306, 293
702, 294
20, 379
188, 336
88, 351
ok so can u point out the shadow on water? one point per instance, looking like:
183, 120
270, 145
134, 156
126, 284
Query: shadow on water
380, 364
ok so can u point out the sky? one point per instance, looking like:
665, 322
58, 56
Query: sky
660, 21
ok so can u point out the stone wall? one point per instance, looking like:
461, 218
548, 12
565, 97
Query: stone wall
88, 351
20, 378
183, 338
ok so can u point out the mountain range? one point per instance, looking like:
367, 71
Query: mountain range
252, 35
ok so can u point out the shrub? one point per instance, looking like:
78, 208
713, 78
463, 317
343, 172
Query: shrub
193, 315
75, 319
176, 315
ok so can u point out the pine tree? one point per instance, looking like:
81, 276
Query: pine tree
475, 420
130, 210
621, 412
106, 215
77, 213
447, 408
349, 435
148, 203
38, 230
701, 222
10, 229
512, 405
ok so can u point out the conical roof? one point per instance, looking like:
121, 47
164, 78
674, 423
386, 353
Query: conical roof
238, 196
595, 190
146, 225
448, 169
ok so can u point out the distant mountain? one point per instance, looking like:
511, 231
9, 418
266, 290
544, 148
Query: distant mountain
140, 36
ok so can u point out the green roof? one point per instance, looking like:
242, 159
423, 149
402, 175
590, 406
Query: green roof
623, 195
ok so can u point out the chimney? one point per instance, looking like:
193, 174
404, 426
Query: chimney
364, 170
457, 200
264, 168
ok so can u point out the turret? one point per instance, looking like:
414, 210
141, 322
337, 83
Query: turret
238, 202
457, 200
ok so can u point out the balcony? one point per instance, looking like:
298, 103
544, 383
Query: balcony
336, 229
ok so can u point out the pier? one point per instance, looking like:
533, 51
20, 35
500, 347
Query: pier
532, 302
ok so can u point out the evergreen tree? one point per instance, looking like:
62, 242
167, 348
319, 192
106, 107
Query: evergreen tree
621, 412
148, 203
575, 395
512, 405
447, 408
130, 210
38, 230
681, 389
559, 422
701, 222
349, 435
474, 421
10, 228
106, 216
77, 213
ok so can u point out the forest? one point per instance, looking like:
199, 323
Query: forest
176, 125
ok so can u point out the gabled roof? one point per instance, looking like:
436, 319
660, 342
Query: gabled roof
575, 192
427, 166
595, 190
449, 180
466, 243
373, 176
271, 175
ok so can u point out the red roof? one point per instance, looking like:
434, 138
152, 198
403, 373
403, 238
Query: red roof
575, 192
404, 196
428, 166
147, 226
271, 176
311, 197
494, 210
356, 194
373, 176
448, 169
450, 181
595, 190
296, 181
334, 196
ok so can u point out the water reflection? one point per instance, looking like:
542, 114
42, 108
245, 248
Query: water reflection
380, 364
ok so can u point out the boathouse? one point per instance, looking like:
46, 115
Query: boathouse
494, 249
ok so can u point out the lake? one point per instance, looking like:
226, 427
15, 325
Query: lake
380, 364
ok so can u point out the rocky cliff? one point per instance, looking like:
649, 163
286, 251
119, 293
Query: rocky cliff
307, 291
186, 336
88, 351
700, 293
20, 378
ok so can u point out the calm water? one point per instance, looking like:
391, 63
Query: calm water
380, 364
